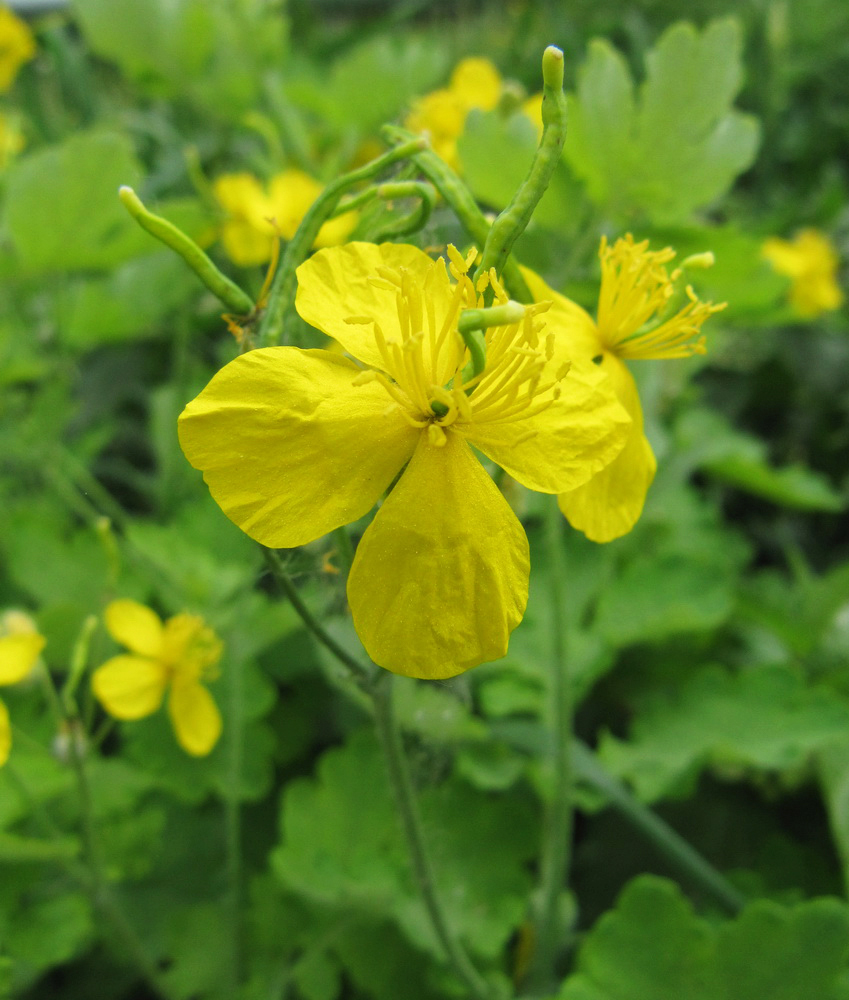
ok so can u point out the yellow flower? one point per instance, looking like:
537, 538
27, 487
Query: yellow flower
11, 140
256, 216
20, 646
180, 653
635, 289
294, 443
810, 261
17, 46
441, 115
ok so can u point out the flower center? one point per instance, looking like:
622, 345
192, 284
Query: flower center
430, 382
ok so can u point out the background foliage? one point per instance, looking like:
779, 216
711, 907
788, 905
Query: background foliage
710, 647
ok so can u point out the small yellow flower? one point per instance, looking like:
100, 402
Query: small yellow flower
179, 654
11, 140
810, 261
20, 646
294, 443
257, 216
635, 289
441, 115
17, 46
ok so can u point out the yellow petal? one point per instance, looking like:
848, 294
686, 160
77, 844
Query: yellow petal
565, 444
195, 717
246, 245
290, 448
18, 655
576, 331
129, 687
333, 285
292, 192
5, 734
610, 504
17, 46
136, 626
440, 578
476, 83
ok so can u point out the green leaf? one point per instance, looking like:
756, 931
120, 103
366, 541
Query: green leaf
668, 595
62, 208
833, 771
343, 847
129, 302
677, 145
212, 52
654, 947
42, 925
740, 460
371, 83
764, 719
14, 848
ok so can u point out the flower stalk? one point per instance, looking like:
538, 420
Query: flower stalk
557, 828
377, 685
462, 203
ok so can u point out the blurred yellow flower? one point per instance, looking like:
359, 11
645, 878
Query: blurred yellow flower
20, 646
257, 215
179, 654
17, 46
295, 443
635, 289
441, 115
11, 140
810, 261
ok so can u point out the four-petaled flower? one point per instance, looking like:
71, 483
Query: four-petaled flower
179, 654
20, 646
810, 261
256, 216
295, 443
635, 289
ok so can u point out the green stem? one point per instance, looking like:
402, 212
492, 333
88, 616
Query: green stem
378, 685
219, 284
671, 844
233, 828
344, 549
512, 222
361, 673
283, 289
402, 788
557, 826
462, 203
99, 888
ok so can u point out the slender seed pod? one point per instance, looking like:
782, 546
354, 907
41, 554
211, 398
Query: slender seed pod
166, 232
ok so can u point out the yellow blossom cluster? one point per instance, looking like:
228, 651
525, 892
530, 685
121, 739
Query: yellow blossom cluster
17, 46
441, 115
20, 648
810, 261
257, 214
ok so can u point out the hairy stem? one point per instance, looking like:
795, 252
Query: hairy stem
378, 686
557, 825
402, 788
672, 845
